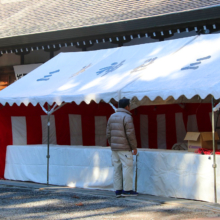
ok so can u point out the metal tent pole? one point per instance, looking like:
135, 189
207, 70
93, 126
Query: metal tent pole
213, 145
48, 142
49, 112
136, 168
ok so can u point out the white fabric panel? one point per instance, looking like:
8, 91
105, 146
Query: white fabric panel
85, 167
177, 174
160, 172
75, 123
180, 127
19, 130
162, 69
161, 131
100, 130
53, 137
192, 123
144, 131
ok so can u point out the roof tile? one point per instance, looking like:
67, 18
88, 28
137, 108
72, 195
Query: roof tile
24, 17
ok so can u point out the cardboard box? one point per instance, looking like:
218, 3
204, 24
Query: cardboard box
198, 140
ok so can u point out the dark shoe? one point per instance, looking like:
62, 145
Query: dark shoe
118, 193
129, 193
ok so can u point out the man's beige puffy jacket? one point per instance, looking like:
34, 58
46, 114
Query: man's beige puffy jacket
120, 131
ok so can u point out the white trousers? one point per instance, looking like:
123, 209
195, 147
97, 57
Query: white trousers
123, 170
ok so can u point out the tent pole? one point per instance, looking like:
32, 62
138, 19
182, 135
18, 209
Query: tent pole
213, 145
48, 142
115, 109
48, 112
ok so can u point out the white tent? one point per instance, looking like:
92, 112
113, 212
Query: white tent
164, 72
173, 69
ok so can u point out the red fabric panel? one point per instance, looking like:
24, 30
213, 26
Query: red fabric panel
202, 115
62, 125
88, 124
171, 138
136, 120
152, 128
5, 136
34, 129
203, 118
33, 122
88, 130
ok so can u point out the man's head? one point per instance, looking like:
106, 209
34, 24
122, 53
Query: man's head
124, 103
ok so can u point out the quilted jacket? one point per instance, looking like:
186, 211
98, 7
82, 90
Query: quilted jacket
120, 131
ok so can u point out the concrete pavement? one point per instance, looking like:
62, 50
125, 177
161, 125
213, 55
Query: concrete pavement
105, 193
152, 205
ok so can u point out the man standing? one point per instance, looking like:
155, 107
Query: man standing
121, 137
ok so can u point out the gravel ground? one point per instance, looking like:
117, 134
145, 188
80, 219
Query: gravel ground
44, 203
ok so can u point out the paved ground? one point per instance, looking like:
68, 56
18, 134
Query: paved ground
21, 200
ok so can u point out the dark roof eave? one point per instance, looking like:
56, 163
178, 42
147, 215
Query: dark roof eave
157, 22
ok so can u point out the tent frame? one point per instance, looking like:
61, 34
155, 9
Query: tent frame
214, 165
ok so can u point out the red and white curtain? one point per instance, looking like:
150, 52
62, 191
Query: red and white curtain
157, 127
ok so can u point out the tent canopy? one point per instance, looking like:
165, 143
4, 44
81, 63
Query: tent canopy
169, 70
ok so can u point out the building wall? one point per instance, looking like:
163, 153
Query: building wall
36, 56
9, 59
40, 56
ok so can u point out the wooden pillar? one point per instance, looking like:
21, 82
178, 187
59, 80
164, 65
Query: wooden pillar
51, 51
84, 49
51, 54
120, 44
22, 59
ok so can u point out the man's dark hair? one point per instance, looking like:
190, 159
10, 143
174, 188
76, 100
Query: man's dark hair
123, 103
